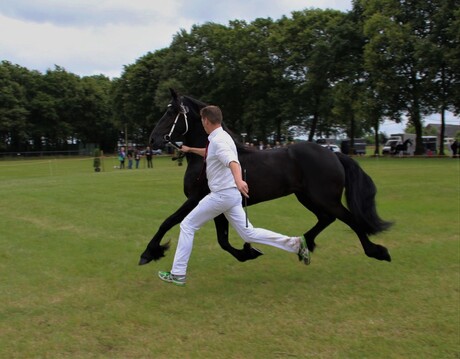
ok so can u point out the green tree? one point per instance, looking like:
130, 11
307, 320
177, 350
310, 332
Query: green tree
268, 106
133, 96
59, 108
311, 46
356, 100
207, 64
95, 124
231, 66
398, 33
13, 106
440, 57
453, 59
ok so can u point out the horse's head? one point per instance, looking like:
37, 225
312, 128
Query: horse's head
180, 120
172, 124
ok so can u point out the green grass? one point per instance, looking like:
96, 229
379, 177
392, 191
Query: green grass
70, 286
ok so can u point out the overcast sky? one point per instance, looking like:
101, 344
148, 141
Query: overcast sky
89, 37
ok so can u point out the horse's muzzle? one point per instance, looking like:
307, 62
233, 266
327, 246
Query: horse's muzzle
157, 142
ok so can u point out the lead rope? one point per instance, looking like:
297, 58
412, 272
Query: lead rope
203, 166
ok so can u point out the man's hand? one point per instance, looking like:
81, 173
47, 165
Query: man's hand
198, 151
243, 188
240, 183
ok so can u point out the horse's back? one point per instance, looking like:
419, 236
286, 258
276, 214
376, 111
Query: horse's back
299, 168
322, 175
315, 159
270, 173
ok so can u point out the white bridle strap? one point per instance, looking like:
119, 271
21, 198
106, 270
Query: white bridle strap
183, 111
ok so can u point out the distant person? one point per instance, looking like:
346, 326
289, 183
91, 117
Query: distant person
121, 157
130, 158
454, 148
148, 155
137, 157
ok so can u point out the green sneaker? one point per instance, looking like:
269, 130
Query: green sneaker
303, 253
172, 278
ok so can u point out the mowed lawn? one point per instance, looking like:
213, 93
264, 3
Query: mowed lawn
70, 286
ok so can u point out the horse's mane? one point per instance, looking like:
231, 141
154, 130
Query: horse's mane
198, 103
241, 147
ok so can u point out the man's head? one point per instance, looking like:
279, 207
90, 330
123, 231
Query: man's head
211, 117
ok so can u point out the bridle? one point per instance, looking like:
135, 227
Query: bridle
183, 111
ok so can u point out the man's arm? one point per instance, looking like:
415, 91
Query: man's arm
195, 150
240, 184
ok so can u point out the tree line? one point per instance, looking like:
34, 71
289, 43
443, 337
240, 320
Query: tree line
318, 72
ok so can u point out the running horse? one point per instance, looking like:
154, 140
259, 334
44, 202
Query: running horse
401, 148
315, 175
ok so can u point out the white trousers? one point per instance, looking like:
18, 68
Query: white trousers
228, 202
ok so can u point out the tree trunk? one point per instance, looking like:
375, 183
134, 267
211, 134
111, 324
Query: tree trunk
376, 138
443, 113
415, 118
314, 123
443, 131
352, 134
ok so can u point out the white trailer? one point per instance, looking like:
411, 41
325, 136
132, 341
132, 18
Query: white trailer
398, 139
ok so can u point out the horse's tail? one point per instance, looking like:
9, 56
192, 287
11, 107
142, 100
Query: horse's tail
360, 194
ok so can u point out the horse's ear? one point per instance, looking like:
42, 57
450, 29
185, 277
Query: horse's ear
174, 94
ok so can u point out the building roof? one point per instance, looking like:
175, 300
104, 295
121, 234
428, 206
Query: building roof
450, 130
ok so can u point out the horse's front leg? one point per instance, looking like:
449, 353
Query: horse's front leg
248, 252
155, 250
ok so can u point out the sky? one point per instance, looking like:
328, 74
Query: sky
88, 37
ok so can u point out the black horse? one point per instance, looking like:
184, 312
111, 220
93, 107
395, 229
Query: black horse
314, 174
401, 148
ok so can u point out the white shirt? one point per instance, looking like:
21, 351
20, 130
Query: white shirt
221, 151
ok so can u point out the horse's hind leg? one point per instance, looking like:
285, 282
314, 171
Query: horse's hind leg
242, 255
324, 220
327, 214
370, 249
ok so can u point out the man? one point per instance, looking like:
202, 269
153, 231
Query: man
225, 181
121, 157
454, 147
148, 155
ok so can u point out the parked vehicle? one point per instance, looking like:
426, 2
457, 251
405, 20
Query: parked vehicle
326, 141
333, 148
154, 152
329, 143
430, 144
359, 146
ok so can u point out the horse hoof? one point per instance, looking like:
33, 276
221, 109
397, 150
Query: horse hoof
256, 252
144, 260
384, 254
387, 257
311, 246
381, 253
251, 252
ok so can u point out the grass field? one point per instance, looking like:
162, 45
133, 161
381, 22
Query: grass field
70, 286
